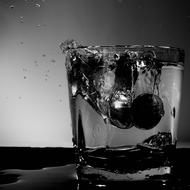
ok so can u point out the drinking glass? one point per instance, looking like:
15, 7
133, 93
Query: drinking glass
124, 103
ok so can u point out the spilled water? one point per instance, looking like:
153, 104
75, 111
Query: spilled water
61, 177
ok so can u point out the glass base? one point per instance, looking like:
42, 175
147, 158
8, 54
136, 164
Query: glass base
126, 164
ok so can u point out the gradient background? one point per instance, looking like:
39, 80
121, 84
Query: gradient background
34, 108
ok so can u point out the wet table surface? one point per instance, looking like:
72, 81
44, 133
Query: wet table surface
27, 168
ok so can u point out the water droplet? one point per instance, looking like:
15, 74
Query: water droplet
59, 85
48, 71
37, 5
25, 77
11, 7
21, 19
60, 100
21, 43
41, 25
53, 60
43, 55
36, 63
24, 69
38, 25
19, 97
46, 79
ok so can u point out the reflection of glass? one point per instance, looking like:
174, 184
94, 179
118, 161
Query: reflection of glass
124, 104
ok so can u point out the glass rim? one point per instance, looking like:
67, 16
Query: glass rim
161, 52
127, 46
137, 46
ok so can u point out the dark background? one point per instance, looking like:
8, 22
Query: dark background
33, 99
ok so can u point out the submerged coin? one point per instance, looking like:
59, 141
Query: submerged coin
147, 110
120, 110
